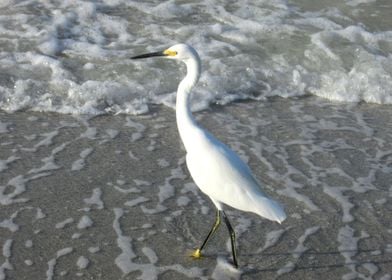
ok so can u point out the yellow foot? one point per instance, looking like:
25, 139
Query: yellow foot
196, 254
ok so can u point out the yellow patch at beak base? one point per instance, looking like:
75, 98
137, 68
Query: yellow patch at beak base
169, 53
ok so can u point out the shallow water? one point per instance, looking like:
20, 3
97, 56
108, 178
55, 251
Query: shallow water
110, 197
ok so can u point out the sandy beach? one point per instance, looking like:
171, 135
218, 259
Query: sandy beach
110, 197
93, 180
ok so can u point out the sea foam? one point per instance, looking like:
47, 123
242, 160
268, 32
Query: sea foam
74, 59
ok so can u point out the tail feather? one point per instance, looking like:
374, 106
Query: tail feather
268, 208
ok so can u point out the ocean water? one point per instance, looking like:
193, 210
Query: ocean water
110, 197
93, 181
73, 56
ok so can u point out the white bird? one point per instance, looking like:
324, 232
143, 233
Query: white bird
216, 169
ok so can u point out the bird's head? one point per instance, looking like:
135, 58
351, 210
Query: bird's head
181, 52
184, 53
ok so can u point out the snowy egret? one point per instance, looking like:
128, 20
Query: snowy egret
215, 168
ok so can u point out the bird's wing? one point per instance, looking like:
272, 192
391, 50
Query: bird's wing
223, 176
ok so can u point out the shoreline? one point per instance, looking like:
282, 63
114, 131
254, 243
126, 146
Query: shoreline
110, 197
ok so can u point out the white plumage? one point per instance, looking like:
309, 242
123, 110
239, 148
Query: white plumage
215, 168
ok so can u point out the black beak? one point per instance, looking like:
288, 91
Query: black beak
148, 55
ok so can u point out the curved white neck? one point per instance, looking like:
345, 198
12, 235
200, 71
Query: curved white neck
186, 124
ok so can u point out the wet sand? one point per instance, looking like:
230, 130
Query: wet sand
110, 197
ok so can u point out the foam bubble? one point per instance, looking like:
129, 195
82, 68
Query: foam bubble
64, 223
85, 222
82, 262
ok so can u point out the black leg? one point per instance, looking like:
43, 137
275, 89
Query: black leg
197, 253
232, 239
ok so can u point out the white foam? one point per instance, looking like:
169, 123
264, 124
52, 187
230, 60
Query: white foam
76, 235
272, 238
85, 222
136, 201
113, 133
94, 250
19, 186
29, 243
183, 201
163, 163
77, 62
150, 254
4, 163
82, 262
166, 191
348, 248
225, 270
298, 251
159, 208
9, 223
120, 187
355, 3
7, 248
138, 127
149, 270
337, 194
301, 248
371, 268
95, 199
290, 187
64, 223
40, 214
6, 265
368, 77
49, 163
124, 260
287, 268
79, 164
52, 263
90, 133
